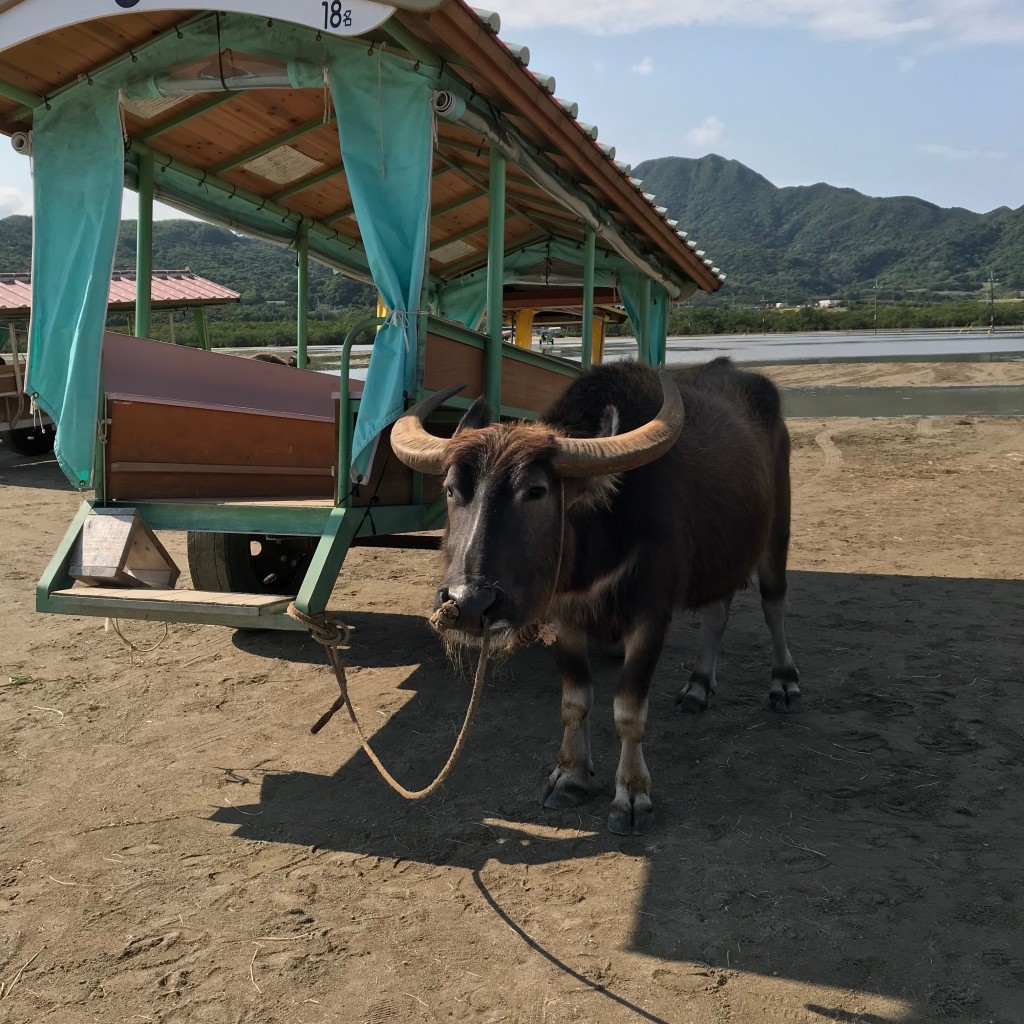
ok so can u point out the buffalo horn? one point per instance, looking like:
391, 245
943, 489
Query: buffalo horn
412, 444
597, 456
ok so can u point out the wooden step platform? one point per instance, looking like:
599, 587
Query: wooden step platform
251, 611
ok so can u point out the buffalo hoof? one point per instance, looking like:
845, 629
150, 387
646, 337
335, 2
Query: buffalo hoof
693, 698
635, 820
784, 696
563, 789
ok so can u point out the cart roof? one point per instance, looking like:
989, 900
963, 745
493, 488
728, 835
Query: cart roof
274, 145
172, 289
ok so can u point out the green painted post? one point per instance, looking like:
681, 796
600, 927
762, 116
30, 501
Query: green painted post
495, 277
589, 257
645, 322
303, 297
204, 338
144, 248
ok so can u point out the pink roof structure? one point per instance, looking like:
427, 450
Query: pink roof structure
172, 289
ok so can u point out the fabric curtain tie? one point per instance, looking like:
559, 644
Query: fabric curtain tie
399, 318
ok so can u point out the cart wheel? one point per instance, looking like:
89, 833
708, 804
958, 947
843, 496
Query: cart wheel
249, 563
31, 440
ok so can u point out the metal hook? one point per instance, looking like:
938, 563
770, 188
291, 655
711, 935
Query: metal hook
135, 59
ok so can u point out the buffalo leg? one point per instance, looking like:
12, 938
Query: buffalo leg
784, 691
570, 783
632, 812
693, 697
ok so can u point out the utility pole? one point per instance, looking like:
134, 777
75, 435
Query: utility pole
876, 305
991, 303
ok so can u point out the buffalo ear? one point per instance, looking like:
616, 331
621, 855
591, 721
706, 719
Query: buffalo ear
609, 422
477, 416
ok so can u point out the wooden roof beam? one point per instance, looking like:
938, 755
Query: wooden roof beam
301, 186
271, 144
475, 263
184, 116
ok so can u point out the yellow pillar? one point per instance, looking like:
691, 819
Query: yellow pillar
598, 340
382, 309
524, 327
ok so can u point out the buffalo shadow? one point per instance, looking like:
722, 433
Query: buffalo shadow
871, 843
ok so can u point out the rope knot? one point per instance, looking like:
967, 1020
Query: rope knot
325, 628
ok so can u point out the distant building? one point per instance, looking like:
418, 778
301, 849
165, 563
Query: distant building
829, 303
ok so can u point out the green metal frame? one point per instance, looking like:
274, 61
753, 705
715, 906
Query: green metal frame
144, 249
302, 298
589, 261
495, 277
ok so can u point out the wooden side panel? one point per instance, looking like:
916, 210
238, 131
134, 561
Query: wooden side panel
8, 383
167, 451
451, 362
170, 451
523, 385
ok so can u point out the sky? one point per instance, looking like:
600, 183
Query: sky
889, 97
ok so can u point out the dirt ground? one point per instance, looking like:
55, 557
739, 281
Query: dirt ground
176, 847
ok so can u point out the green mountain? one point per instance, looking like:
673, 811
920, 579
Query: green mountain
817, 241
785, 244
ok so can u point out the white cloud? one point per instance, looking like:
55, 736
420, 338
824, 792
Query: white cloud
707, 134
960, 22
645, 67
952, 153
13, 200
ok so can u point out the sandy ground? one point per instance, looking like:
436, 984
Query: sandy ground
176, 847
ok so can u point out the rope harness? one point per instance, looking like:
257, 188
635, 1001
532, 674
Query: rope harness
333, 634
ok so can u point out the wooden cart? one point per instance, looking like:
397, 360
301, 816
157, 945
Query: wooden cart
404, 145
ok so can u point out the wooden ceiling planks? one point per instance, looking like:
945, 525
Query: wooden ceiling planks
49, 63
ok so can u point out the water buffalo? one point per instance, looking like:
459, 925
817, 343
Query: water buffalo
638, 493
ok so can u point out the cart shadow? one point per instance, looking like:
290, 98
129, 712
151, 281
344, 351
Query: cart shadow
39, 472
783, 844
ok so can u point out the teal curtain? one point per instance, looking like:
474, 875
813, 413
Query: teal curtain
385, 126
78, 160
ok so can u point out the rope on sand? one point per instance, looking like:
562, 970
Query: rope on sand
333, 634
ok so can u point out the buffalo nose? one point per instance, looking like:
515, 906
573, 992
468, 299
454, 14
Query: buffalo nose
473, 600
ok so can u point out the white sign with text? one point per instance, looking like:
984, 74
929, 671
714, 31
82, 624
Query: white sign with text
338, 17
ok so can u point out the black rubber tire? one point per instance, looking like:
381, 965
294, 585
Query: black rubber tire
248, 563
31, 440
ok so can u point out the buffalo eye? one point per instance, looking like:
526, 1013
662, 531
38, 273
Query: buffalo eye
536, 492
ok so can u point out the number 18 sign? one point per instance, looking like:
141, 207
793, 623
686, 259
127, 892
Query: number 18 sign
31, 18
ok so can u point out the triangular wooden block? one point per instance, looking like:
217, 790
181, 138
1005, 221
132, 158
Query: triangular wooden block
116, 548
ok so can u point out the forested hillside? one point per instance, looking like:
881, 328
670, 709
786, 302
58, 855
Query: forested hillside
817, 241
791, 245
